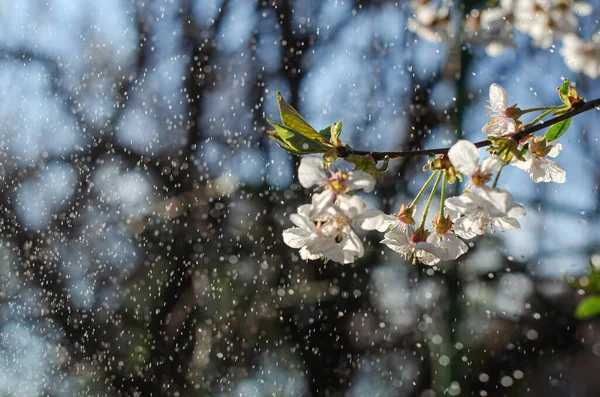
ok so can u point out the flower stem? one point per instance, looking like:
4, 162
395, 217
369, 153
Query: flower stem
497, 176
525, 111
431, 195
443, 197
427, 183
538, 118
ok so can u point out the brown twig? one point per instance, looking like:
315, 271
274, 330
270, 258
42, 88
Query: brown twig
521, 134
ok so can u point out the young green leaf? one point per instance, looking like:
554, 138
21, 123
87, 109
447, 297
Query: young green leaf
326, 132
558, 130
588, 308
364, 163
563, 92
294, 142
336, 130
291, 119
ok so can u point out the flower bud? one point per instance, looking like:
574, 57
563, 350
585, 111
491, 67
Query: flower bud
406, 215
513, 112
568, 94
539, 147
419, 236
442, 225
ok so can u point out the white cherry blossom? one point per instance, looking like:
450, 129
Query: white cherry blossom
312, 172
582, 56
502, 123
451, 246
464, 156
328, 231
445, 239
539, 166
304, 233
328, 236
413, 246
401, 221
355, 210
473, 213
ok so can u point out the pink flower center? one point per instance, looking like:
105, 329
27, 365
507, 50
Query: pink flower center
337, 183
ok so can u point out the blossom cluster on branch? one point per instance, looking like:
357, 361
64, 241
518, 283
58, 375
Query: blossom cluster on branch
495, 26
327, 227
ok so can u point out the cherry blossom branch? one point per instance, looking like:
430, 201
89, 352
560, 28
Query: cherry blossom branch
595, 103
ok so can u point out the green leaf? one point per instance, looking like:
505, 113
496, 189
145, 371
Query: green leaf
588, 308
336, 130
294, 142
563, 92
291, 119
558, 130
364, 163
326, 132
332, 133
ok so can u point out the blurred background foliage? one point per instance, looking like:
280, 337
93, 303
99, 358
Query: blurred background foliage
143, 203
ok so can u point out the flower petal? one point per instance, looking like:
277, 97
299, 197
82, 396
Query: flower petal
352, 244
320, 203
494, 201
351, 206
556, 148
302, 221
498, 99
546, 170
296, 238
427, 258
360, 180
524, 165
517, 211
307, 255
500, 126
311, 172
506, 223
452, 245
459, 204
397, 241
453, 214
464, 156
375, 220
431, 248
467, 227
328, 248
491, 164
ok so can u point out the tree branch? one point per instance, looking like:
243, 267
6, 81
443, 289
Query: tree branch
595, 103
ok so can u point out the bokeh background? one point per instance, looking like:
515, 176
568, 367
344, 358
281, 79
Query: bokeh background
143, 204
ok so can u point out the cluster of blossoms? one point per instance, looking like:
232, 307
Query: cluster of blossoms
326, 228
542, 20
